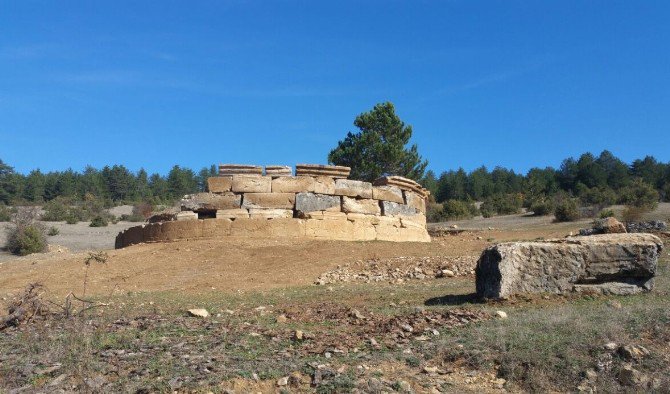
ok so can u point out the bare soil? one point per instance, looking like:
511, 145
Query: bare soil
272, 329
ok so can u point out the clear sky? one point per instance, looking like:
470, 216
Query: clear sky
153, 84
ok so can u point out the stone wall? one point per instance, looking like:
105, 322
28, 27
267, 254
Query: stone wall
318, 202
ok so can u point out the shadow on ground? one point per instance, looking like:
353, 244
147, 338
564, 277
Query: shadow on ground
454, 299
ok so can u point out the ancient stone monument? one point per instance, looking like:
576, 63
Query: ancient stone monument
318, 202
608, 264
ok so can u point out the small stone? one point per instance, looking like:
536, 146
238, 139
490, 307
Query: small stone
298, 335
629, 376
282, 381
611, 346
198, 312
501, 314
356, 314
633, 352
422, 338
448, 273
282, 319
430, 370
407, 327
614, 304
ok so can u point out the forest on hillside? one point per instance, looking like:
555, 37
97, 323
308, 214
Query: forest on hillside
589, 180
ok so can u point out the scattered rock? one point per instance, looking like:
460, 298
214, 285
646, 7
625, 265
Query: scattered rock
614, 304
282, 319
282, 381
357, 314
611, 346
198, 312
633, 352
501, 314
430, 370
629, 376
298, 335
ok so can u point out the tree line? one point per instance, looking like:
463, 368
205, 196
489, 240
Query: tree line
115, 184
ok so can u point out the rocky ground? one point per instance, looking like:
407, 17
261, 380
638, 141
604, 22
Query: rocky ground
326, 317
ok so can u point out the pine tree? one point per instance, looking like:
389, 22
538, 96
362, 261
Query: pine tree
379, 147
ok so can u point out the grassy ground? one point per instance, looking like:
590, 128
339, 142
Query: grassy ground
145, 341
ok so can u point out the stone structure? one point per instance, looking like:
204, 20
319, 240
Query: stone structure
609, 264
319, 202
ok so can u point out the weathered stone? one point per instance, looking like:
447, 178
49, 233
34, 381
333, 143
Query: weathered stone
614, 262
187, 215
402, 183
219, 184
268, 200
232, 213
351, 188
394, 209
278, 171
198, 312
252, 184
310, 202
236, 169
323, 185
318, 170
361, 217
210, 201
388, 193
415, 201
343, 230
292, 184
413, 221
360, 205
325, 215
609, 226
255, 213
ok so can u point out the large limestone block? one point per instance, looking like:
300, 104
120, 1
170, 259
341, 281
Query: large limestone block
210, 201
252, 184
310, 202
319, 170
256, 213
183, 230
363, 218
268, 200
401, 182
394, 209
233, 169
219, 184
413, 221
274, 171
325, 215
388, 193
342, 230
187, 215
352, 188
232, 213
323, 185
360, 205
292, 184
610, 263
277, 227
415, 201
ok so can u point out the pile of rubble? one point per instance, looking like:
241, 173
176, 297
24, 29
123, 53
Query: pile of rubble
651, 226
399, 269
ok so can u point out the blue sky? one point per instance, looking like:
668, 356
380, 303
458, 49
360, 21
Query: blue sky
153, 84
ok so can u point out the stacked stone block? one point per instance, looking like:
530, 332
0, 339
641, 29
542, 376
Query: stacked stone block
318, 202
